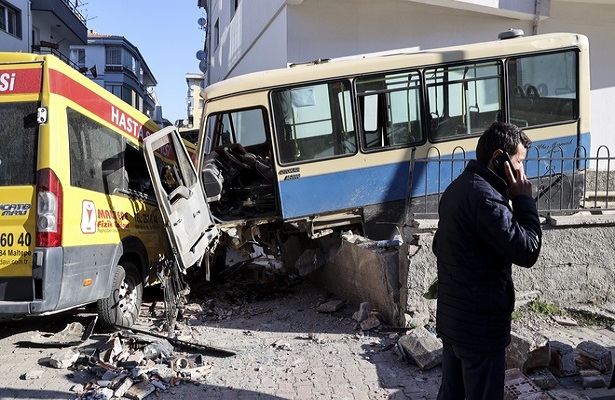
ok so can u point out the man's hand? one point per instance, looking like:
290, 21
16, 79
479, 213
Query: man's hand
518, 183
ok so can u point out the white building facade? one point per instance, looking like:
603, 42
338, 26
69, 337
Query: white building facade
244, 36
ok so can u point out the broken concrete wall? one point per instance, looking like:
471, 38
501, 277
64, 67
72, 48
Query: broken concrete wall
362, 272
576, 265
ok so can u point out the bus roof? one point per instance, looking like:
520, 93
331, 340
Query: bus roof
314, 71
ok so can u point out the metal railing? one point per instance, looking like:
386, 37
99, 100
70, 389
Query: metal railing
38, 49
561, 185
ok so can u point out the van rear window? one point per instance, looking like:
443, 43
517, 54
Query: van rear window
18, 143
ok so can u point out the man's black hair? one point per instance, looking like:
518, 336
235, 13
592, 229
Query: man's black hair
500, 135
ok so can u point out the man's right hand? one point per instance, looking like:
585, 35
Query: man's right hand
519, 185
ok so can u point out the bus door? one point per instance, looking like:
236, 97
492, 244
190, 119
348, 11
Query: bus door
181, 199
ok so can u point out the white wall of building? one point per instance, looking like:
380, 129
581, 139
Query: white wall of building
251, 39
355, 27
271, 33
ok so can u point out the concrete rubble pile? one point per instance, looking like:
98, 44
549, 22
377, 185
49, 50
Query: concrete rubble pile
537, 368
131, 366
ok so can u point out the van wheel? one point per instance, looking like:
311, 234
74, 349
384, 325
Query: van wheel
122, 307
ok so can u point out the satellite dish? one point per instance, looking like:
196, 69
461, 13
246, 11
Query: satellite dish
201, 21
200, 55
203, 66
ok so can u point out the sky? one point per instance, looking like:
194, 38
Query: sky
165, 32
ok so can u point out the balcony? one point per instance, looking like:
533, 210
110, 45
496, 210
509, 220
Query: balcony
64, 18
52, 48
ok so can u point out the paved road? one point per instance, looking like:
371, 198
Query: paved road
285, 350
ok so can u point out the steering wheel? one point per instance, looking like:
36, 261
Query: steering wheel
235, 158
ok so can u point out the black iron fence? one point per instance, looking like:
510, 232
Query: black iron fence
561, 185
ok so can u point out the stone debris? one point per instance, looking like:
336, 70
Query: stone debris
422, 347
74, 333
362, 313
567, 394
589, 360
370, 323
63, 358
593, 355
34, 374
563, 359
331, 306
131, 366
517, 385
592, 378
528, 350
564, 320
543, 378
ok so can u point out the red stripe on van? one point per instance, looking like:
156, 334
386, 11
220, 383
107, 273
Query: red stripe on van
19, 81
73, 90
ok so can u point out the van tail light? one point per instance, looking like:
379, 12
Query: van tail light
49, 200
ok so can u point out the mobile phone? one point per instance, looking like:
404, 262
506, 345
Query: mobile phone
498, 166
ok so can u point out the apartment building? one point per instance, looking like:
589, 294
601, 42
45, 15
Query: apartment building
115, 63
41, 26
244, 36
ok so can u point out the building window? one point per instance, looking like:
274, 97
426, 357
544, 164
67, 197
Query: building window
113, 56
78, 57
216, 35
10, 19
129, 62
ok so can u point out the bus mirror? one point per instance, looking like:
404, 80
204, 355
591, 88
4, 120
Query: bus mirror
41, 115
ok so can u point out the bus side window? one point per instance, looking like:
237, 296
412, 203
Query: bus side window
463, 99
543, 88
314, 122
390, 107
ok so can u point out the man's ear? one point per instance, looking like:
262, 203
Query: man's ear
495, 154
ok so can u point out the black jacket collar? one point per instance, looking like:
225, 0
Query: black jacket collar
491, 177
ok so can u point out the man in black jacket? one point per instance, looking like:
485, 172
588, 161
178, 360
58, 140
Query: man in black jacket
487, 223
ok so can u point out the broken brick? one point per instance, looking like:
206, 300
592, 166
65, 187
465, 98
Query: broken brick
140, 391
516, 385
543, 378
592, 355
562, 360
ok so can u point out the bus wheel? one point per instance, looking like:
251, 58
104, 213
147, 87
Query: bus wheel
122, 307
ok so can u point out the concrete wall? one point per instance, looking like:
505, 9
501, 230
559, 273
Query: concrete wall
361, 273
576, 265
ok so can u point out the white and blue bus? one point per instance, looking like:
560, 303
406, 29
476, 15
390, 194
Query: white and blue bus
335, 145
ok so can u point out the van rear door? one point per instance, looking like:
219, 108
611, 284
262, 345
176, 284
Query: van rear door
181, 199
20, 86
